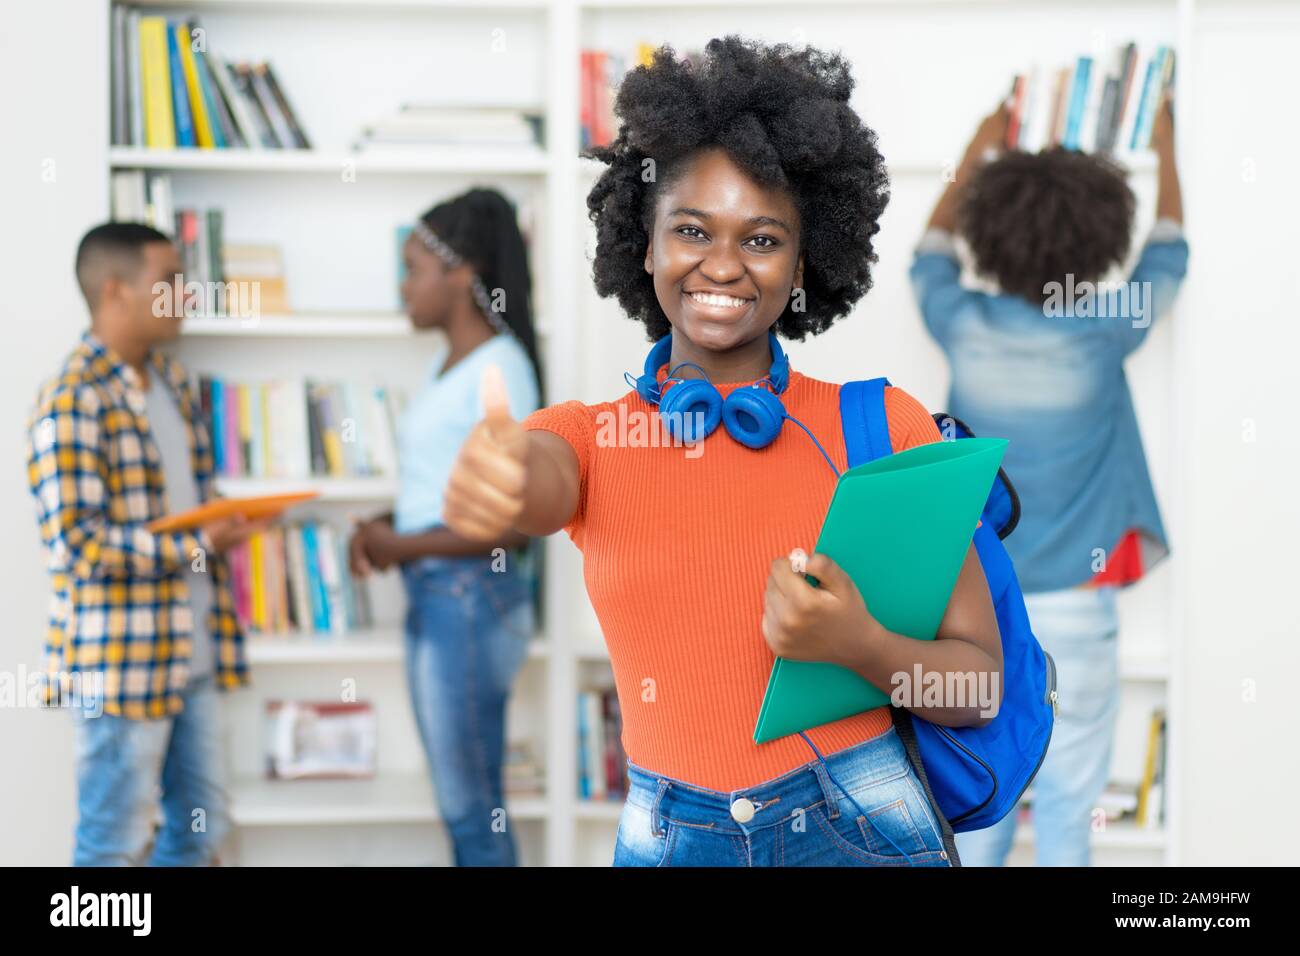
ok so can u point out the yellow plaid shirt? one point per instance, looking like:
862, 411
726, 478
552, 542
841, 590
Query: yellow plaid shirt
120, 610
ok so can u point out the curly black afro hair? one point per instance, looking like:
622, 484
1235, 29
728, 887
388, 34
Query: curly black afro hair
1031, 218
783, 116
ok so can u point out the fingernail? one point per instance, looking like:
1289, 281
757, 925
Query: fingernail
799, 560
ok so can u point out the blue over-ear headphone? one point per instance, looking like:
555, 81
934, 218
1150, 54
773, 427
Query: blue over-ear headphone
692, 408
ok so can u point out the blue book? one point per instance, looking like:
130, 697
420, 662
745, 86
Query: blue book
217, 115
180, 94
218, 427
1078, 101
315, 583
584, 778
1146, 116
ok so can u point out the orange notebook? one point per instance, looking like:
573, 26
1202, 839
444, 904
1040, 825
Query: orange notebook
257, 507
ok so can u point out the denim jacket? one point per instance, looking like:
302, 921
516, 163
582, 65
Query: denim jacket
1050, 378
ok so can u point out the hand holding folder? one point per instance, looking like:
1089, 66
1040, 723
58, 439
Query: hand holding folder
899, 526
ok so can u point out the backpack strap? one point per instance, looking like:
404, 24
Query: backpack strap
862, 415
907, 734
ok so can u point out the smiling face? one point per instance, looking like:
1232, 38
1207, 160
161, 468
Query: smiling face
724, 253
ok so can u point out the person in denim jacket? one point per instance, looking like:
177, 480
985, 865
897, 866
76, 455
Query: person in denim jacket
1040, 361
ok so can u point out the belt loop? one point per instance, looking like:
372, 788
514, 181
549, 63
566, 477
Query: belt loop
828, 790
656, 824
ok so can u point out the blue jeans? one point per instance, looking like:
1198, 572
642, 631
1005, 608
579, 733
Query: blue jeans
122, 765
1079, 628
799, 819
467, 634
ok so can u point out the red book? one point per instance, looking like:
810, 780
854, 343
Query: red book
585, 99
600, 98
1017, 111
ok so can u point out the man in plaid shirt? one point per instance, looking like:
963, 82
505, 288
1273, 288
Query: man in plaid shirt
142, 625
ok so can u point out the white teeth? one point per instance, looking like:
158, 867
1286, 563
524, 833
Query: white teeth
708, 298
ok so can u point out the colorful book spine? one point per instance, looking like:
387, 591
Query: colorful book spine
234, 459
155, 66
1078, 100
315, 583
180, 96
256, 580
1141, 132
197, 104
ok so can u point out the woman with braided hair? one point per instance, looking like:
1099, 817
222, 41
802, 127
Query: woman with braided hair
469, 615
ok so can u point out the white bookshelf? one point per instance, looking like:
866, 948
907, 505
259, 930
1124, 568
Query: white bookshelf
347, 321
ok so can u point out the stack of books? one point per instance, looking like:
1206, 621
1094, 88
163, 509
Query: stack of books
1087, 108
296, 429
602, 771
322, 740
522, 771
294, 579
428, 126
169, 90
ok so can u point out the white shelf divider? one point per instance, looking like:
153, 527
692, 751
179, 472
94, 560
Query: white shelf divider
457, 161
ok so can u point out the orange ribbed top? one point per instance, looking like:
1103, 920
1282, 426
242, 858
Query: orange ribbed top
676, 545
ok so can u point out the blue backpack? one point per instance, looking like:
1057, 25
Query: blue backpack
973, 776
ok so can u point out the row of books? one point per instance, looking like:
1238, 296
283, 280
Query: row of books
295, 428
1086, 108
237, 279
418, 125
600, 73
602, 770
170, 90
294, 578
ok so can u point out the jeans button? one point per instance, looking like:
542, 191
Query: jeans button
742, 811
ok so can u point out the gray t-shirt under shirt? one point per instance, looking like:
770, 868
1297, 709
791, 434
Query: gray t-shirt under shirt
170, 435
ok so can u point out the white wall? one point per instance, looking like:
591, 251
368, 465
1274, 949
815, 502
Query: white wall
1241, 624
53, 189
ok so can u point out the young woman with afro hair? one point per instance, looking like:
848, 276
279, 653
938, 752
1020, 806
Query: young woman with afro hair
740, 202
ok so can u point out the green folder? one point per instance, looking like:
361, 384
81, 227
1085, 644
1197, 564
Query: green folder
900, 527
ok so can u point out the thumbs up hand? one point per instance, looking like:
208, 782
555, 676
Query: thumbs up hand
485, 493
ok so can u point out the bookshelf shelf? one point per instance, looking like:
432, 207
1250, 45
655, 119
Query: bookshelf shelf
303, 325
1144, 668
1136, 163
371, 646
457, 161
326, 6
387, 798
308, 325
605, 810
331, 489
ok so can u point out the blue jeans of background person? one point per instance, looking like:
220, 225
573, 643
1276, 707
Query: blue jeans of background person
800, 818
1079, 628
467, 634
126, 768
